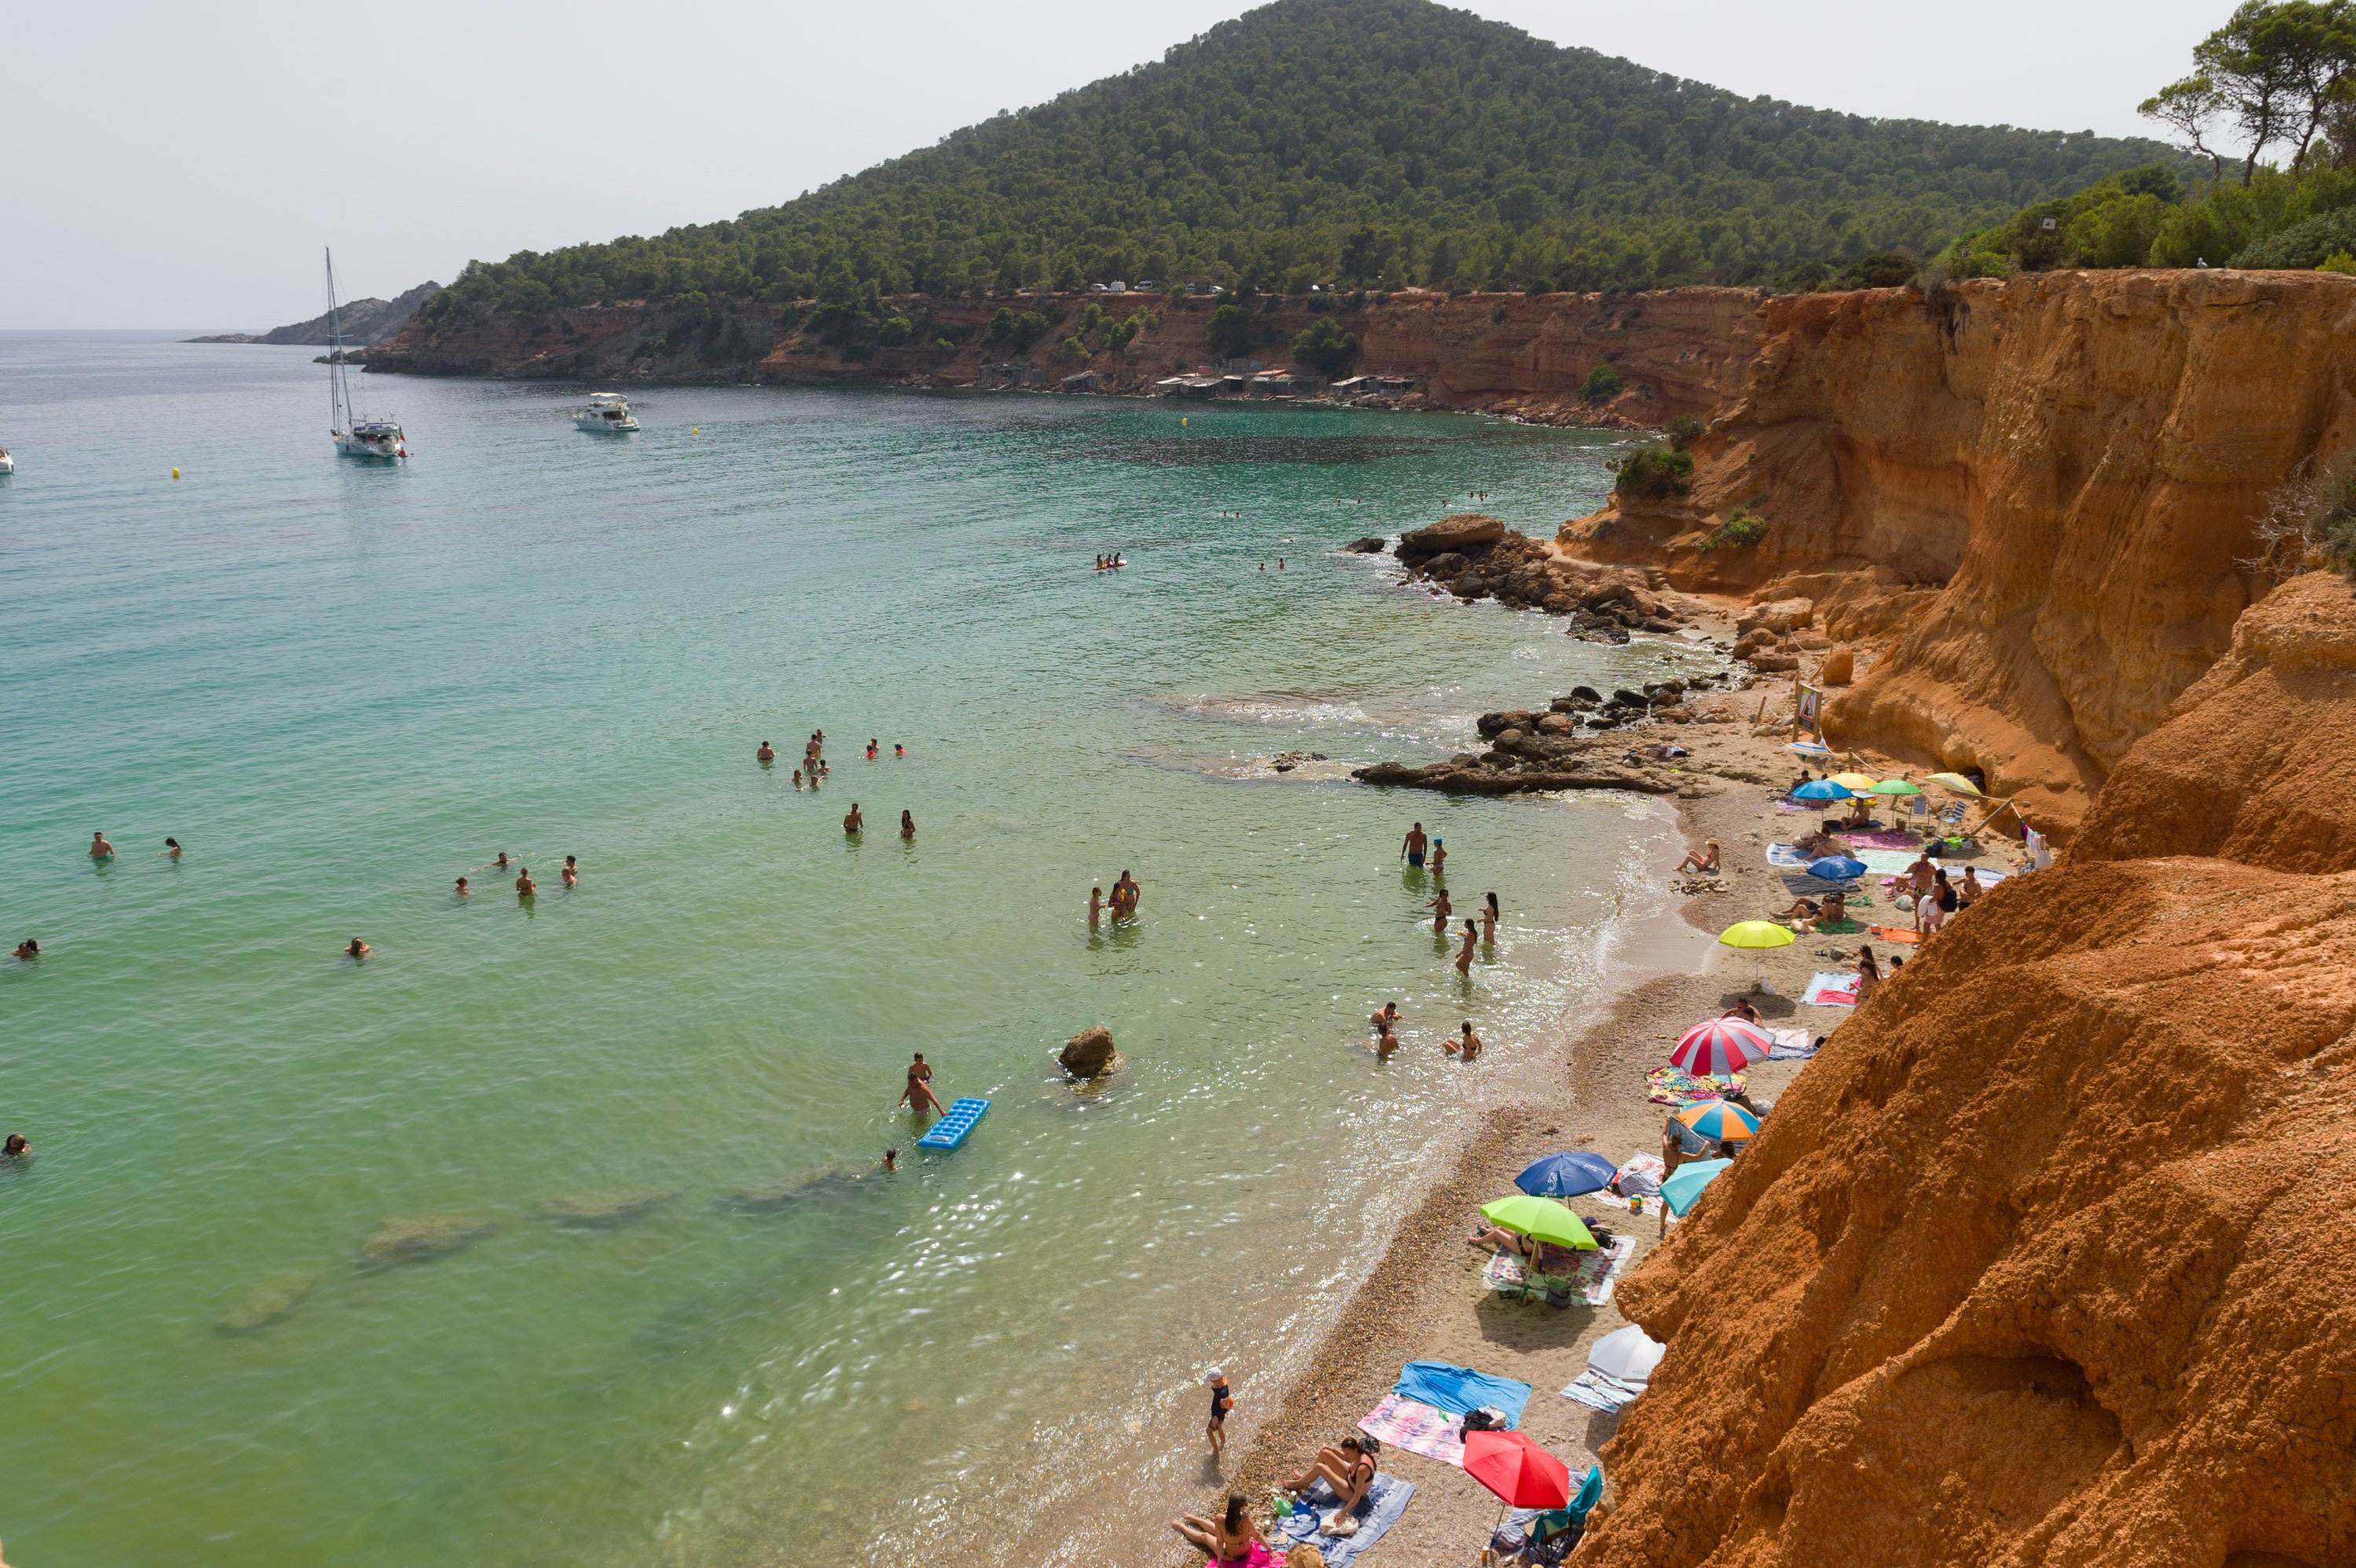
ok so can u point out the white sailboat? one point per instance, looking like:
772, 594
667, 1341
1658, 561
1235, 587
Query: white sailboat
608, 413
355, 435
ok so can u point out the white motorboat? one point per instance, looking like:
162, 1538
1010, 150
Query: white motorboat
354, 433
7, 464
608, 413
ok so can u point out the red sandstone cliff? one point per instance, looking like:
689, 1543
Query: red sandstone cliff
2030, 497
2044, 1260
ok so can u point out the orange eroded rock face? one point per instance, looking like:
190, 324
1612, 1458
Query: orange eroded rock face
2044, 1260
2030, 497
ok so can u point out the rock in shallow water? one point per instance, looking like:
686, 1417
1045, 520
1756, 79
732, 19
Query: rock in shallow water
274, 1301
399, 1241
1089, 1053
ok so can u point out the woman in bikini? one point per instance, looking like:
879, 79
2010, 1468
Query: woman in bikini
1489, 921
1703, 859
1349, 1469
1464, 958
1441, 910
1230, 1538
1869, 974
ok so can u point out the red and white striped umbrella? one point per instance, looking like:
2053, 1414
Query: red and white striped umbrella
1720, 1048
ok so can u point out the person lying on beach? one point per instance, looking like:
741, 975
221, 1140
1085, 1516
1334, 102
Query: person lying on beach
1496, 1239
1808, 914
1824, 840
1347, 1466
919, 1093
1466, 1045
1228, 1538
1703, 859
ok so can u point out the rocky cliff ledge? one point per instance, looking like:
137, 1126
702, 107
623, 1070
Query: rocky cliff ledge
2029, 499
1676, 352
2041, 1262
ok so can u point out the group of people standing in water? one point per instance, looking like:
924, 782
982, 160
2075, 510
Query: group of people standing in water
1421, 852
1122, 906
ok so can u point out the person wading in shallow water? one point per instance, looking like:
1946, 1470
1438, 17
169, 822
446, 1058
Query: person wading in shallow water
853, 821
919, 1093
1464, 955
1095, 906
1411, 846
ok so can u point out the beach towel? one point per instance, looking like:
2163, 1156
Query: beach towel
1791, 1044
1888, 862
1897, 933
1838, 927
1455, 1389
1671, 1086
1788, 804
1599, 1391
1784, 854
1829, 990
1882, 837
1385, 1500
1595, 1271
1640, 1176
1417, 1427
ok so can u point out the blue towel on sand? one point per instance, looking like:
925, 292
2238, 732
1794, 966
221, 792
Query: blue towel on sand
1384, 1501
1457, 1390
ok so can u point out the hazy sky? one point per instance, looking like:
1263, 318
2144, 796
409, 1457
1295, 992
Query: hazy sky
180, 165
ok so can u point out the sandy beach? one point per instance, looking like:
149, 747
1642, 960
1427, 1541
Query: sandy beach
1424, 1299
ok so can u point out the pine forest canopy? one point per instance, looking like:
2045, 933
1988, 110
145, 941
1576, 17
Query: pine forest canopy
1367, 143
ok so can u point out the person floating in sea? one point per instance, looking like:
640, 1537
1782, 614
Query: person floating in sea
898, 751
572, 872
17, 1148
766, 754
1095, 906
907, 825
1412, 848
1223, 1400
357, 950
891, 1159
501, 863
1441, 910
100, 850
871, 748
28, 950
462, 890
172, 847
1464, 957
1489, 916
1466, 1045
919, 1093
1439, 858
853, 821
525, 885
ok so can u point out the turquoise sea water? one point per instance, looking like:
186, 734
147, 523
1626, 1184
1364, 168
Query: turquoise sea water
341, 687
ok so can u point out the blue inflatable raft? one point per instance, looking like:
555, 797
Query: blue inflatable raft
951, 1129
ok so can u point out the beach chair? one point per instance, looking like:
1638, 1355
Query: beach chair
1547, 1538
1950, 824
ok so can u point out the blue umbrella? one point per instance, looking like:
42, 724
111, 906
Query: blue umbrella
1686, 1182
1566, 1175
1836, 868
1821, 789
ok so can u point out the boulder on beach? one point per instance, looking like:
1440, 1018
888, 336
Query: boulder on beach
1371, 545
1840, 668
399, 1241
1466, 533
1089, 1053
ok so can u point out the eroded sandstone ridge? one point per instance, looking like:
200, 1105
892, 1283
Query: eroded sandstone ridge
2030, 497
2044, 1261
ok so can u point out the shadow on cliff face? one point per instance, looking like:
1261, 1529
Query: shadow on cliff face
2043, 1260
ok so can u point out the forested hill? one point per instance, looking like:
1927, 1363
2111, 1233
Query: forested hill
1380, 142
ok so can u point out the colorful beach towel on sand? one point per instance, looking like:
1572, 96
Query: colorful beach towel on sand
1589, 1278
1898, 933
1829, 990
1669, 1086
1640, 1175
1882, 839
1417, 1427
1599, 1391
1786, 857
1888, 862
1596, 1271
1385, 1500
1455, 1389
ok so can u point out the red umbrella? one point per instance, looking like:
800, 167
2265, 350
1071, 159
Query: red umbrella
1720, 1048
1520, 1472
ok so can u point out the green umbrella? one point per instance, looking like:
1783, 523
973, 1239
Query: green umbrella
1541, 1217
1894, 786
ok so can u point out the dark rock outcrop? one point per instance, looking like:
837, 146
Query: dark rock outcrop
1089, 1053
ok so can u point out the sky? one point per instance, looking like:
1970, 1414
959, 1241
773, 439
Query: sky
180, 165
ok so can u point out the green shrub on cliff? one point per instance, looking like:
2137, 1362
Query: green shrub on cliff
1603, 384
895, 330
1362, 143
1233, 331
1684, 431
1324, 346
1655, 474
1744, 529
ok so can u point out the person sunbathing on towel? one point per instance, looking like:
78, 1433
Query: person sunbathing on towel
1495, 1238
1861, 813
1703, 859
1826, 840
1347, 1468
1808, 914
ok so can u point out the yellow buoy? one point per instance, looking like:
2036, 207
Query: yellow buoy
175, 474
694, 429
1181, 422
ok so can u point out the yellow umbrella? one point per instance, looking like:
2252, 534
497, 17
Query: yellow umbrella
1858, 781
1955, 782
1756, 934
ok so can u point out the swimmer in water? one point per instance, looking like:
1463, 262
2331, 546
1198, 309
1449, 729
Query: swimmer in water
28, 950
16, 1149
100, 850
891, 1159
1384, 1018
1466, 1045
1385, 1045
1411, 846
853, 820
767, 754
907, 825
797, 778
501, 863
898, 751
871, 748
1489, 920
357, 950
572, 872
525, 885
172, 847
1095, 907
462, 890
1439, 858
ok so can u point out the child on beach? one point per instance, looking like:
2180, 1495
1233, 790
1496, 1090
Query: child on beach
1223, 1399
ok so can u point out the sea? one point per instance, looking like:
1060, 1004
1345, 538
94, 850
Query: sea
556, 1230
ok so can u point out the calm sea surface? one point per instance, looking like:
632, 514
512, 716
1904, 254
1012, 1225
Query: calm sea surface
694, 1323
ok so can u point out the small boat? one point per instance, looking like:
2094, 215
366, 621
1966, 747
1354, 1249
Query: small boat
608, 413
7, 464
355, 435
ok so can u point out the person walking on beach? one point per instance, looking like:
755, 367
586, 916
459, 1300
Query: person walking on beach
919, 1092
1441, 910
100, 850
907, 825
525, 885
1464, 957
1223, 1399
853, 822
1095, 906
1489, 921
1412, 848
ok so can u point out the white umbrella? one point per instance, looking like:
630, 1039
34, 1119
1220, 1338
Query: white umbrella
1628, 1354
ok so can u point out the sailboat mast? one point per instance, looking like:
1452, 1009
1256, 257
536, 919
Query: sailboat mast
338, 393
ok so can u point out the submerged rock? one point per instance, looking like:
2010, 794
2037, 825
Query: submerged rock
1285, 762
1089, 1053
399, 1241
1370, 545
607, 1212
832, 1181
273, 1301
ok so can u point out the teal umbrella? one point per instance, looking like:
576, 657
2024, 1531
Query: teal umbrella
1684, 1183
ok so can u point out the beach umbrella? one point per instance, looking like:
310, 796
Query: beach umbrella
1720, 1121
1895, 786
1541, 1218
1628, 1354
1836, 868
1809, 749
1686, 1182
1566, 1175
1858, 781
1955, 782
1756, 934
1518, 1471
1720, 1048
1822, 789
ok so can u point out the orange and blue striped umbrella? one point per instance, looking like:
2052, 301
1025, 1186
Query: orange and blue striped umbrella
1721, 1121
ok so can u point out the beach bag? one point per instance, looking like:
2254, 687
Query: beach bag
1487, 1418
